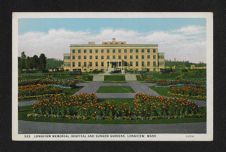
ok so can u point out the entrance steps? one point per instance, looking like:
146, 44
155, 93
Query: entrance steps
98, 77
130, 77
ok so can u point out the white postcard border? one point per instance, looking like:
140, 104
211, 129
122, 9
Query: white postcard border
113, 137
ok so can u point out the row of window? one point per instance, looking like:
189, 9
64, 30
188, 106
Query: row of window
114, 57
113, 50
85, 64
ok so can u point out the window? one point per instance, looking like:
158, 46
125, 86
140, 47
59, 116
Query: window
90, 57
90, 63
79, 51
142, 56
102, 57
120, 63
102, 51
67, 64
142, 50
148, 50
85, 51
79, 64
84, 57
73, 57
148, 56
119, 51
113, 50
154, 50
136, 56
154, 63
154, 56
125, 50
67, 57
137, 64
84, 64
148, 63
73, 64
96, 57
90, 51
108, 57
131, 63
113, 56
119, 57
96, 51
142, 63
131, 50
125, 57
131, 57
137, 50
108, 51
96, 63
79, 57
102, 63
73, 51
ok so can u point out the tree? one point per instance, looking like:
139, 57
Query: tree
42, 62
22, 61
35, 62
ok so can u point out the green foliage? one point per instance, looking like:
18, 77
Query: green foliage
53, 63
31, 63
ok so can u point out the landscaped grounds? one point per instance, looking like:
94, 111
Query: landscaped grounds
41, 85
87, 107
115, 89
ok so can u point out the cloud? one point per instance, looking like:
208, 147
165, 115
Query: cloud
186, 43
190, 30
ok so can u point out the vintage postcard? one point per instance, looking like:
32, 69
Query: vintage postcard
108, 76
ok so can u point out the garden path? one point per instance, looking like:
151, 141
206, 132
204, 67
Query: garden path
91, 87
29, 127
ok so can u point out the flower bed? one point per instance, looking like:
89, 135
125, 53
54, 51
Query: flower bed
86, 107
175, 82
196, 92
36, 90
65, 82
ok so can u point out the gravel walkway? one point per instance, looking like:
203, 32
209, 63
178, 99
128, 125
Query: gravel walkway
26, 103
28, 127
141, 88
91, 87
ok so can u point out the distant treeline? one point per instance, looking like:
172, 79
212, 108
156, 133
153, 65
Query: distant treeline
182, 64
38, 63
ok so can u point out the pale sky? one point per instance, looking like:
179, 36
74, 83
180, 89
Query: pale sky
183, 39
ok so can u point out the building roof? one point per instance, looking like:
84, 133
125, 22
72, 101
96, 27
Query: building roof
113, 43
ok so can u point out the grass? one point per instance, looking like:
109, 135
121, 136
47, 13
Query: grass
71, 91
115, 89
114, 78
164, 91
23, 111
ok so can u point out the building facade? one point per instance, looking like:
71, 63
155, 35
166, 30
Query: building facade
114, 55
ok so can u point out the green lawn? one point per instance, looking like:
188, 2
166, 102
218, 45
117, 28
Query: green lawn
115, 89
114, 78
164, 91
23, 111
